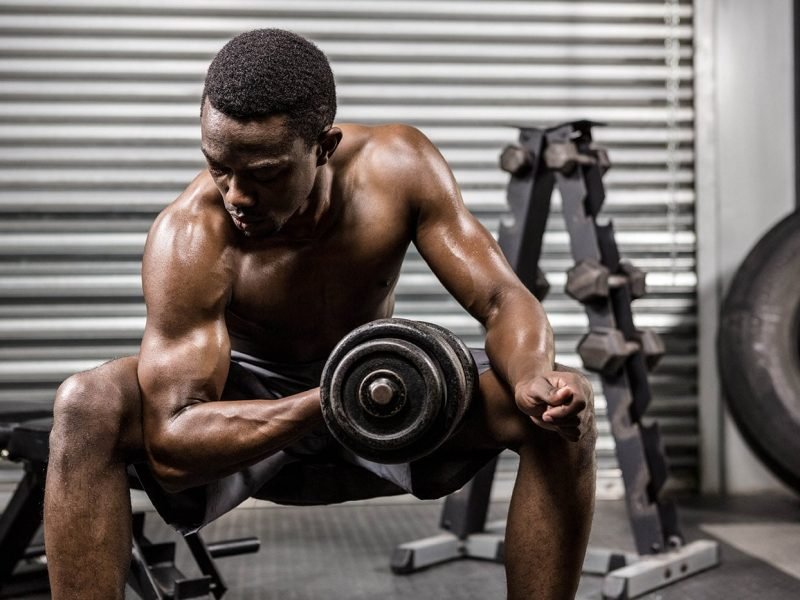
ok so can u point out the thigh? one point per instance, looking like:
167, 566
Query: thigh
493, 421
492, 424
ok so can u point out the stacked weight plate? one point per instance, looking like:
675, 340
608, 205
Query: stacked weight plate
393, 390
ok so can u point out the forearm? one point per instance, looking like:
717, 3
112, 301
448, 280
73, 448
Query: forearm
519, 340
209, 440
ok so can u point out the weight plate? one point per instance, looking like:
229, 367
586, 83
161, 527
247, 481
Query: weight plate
430, 342
759, 349
365, 429
469, 371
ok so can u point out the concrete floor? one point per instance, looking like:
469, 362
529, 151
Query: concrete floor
342, 552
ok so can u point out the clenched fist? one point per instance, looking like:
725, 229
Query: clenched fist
561, 401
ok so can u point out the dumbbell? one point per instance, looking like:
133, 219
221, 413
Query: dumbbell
606, 350
541, 287
394, 390
516, 160
559, 156
589, 280
564, 157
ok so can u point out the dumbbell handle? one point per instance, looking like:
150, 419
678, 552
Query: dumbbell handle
382, 391
617, 281
632, 347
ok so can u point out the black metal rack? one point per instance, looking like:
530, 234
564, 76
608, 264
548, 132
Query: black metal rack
566, 156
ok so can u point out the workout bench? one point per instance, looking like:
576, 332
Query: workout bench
24, 438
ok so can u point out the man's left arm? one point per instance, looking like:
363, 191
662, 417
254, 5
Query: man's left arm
470, 264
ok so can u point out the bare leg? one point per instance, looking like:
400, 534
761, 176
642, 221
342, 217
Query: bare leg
551, 509
87, 512
550, 517
97, 431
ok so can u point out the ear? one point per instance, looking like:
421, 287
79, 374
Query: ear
327, 144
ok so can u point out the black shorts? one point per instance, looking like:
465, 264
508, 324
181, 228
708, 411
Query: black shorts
314, 470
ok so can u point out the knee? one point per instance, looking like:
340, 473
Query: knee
526, 434
576, 457
88, 409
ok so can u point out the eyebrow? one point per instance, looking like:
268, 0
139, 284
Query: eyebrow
270, 163
266, 163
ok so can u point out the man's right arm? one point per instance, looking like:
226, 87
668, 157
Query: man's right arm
191, 435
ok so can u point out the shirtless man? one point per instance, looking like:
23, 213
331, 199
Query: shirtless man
292, 237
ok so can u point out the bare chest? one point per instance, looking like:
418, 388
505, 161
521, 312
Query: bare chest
304, 299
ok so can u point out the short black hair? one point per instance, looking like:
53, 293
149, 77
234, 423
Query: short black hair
273, 72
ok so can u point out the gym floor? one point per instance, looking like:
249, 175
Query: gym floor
343, 551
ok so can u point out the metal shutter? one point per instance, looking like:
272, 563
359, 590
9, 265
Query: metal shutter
99, 130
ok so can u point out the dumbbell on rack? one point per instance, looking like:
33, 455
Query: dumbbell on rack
589, 280
606, 350
558, 156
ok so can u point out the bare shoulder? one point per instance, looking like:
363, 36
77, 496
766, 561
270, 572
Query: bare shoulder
194, 225
189, 248
404, 160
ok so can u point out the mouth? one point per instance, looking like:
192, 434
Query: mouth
245, 224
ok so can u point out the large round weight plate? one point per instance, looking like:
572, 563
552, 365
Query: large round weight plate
759, 349
367, 427
469, 372
429, 343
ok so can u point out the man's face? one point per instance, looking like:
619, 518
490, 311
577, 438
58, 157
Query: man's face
264, 172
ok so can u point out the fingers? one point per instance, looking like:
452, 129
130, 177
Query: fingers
561, 395
558, 401
569, 406
543, 390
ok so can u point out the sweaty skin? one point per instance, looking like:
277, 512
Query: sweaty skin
304, 274
280, 249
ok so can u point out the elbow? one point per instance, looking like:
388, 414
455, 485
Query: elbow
512, 300
494, 306
164, 460
172, 480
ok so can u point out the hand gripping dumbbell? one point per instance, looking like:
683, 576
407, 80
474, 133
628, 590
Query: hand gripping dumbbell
394, 390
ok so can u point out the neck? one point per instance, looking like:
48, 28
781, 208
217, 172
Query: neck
313, 217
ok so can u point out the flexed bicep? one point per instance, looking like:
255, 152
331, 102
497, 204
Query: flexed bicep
185, 351
178, 371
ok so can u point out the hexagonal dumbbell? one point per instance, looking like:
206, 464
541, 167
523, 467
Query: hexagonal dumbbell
564, 157
516, 160
541, 287
636, 279
589, 280
652, 347
605, 350
602, 158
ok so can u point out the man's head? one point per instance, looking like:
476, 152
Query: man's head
270, 72
268, 105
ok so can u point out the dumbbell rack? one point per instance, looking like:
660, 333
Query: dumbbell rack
567, 157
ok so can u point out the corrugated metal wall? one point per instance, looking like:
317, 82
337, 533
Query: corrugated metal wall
99, 130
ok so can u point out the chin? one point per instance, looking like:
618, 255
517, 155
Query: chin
264, 230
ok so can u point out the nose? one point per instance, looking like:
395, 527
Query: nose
238, 197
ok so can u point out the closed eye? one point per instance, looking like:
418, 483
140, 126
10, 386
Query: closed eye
216, 170
265, 175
